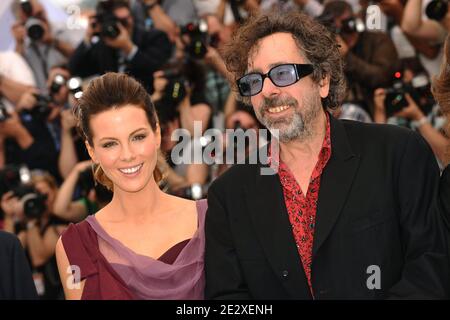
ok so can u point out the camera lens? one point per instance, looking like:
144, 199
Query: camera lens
436, 10
35, 29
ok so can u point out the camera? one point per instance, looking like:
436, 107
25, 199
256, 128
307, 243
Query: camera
12, 176
34, 26
348, 26
107, 21
395, 99
3, 111
175, 89
174, 93
199, 39
419, 89
74, 85
33, 202
436, 9
41, 109
17, 180
86, 183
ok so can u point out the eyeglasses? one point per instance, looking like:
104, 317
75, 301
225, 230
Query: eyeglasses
282, 75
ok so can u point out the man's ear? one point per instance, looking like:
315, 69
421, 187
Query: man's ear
90, 151
324, 86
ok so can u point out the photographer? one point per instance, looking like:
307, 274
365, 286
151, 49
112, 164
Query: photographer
179, 99
38, 228
91, 197
113, 43
65, 91
30, 134
370, 57
410, 104
35, 40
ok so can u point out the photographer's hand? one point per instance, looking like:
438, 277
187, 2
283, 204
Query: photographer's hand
122, 42
13, 128
343, 47
19, 33
379, 97
63, 206
214, 59
10, 205
412, 111
68, 121
27, 101
159, 84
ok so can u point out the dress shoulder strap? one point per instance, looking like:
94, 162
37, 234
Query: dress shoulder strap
81, 246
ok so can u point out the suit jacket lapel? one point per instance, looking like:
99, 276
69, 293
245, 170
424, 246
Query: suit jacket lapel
271, 221
335, 184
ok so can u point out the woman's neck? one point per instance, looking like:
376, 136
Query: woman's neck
136, 207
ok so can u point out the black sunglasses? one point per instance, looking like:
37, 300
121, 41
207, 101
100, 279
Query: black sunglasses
282, 75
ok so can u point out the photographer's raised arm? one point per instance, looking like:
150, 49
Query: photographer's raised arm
12, 90
41, 247
68, 156
13, 128
412, 23
190, 113
64, 207
161, 20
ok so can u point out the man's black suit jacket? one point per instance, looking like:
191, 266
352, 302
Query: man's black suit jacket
16, 281
373, 223
154, 50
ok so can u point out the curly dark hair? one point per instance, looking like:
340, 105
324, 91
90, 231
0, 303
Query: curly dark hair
316, 44
441, 88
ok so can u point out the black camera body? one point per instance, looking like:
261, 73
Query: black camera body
41, 110
86, 183
175, 89
419, 90
395, 99
33, 202
174, 93
348, 26
11, 177
197, 47
17, 180
107, 21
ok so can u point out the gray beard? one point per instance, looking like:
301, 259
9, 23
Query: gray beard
300, 126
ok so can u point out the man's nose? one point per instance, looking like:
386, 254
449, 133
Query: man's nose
269, 88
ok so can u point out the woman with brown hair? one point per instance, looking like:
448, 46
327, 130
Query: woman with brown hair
144, 244
441, 91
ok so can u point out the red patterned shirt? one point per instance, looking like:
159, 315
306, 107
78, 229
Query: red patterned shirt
302, 209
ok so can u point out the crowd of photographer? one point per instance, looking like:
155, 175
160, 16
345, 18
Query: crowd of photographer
391, 49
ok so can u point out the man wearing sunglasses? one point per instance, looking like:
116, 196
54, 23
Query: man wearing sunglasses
346, 216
